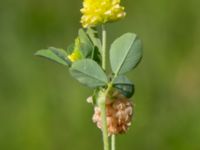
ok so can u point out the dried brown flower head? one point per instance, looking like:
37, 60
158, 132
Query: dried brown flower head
119, 113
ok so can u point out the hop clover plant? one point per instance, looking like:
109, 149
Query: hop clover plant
86, 60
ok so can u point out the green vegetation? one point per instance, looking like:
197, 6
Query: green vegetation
41, 107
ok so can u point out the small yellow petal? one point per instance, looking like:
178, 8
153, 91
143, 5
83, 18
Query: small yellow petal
74, 56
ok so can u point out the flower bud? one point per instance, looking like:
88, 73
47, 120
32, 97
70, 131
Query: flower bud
76, 54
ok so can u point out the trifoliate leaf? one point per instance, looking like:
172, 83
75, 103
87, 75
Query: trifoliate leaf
55, 54
125, 53
89, 73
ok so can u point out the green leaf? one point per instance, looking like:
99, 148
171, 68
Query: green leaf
70, 48
96, 53
124, 85
55, 54
125, 53
96, 56
89, 73
122, 80
93, 35
86, 44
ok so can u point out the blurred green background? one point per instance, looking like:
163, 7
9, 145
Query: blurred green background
43, 108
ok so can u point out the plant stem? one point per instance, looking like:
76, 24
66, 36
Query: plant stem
102, 100
103, 48
113, 142
104, 126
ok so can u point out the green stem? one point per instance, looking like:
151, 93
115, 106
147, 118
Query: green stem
113, 142
104, 126
103, 47
102, 100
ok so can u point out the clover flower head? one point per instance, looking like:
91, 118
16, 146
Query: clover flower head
97, 12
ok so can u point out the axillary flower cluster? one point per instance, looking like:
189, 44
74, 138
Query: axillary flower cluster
76, 54
87, 62
97, 12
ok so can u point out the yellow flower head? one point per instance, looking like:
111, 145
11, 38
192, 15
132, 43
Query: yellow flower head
76, 54
97, 12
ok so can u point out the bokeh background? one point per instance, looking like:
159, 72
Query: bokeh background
43, 108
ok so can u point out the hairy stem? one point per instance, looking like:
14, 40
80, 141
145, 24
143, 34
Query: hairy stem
102, 100
103, 48
104, 126
113, 142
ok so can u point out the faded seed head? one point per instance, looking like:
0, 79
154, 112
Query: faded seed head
119, 115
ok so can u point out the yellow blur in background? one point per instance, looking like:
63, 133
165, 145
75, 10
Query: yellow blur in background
43, 108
